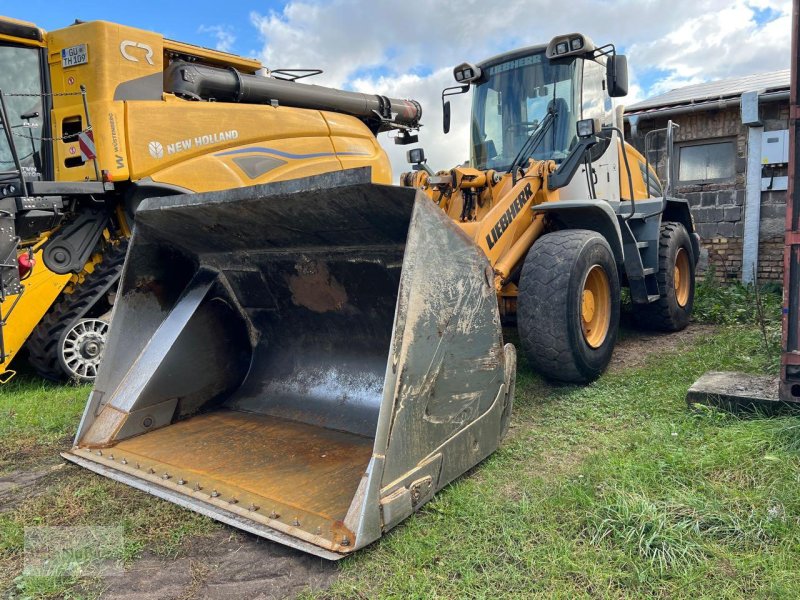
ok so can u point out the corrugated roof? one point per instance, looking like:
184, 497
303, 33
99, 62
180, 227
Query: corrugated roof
715, 90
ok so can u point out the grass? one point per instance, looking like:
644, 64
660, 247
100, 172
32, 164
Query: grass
614, 490
36, 419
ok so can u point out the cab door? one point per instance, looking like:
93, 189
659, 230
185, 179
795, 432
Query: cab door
24, 87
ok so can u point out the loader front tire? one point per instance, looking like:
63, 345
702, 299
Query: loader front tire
568, 305
676, 266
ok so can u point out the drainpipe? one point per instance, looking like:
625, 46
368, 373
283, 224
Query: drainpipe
752, 202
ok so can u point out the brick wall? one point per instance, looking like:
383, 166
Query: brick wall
718, 208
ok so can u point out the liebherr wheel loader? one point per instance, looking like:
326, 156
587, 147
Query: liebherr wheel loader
293, 358
98, 116
565, 210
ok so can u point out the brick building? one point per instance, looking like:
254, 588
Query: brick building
729, 160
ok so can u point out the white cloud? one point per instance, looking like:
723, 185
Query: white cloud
373, 46
225, 39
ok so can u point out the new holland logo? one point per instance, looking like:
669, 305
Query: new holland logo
505, 220
156, 149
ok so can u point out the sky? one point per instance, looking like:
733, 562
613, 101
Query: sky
408, 51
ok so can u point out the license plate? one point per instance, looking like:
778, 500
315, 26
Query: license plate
74, 55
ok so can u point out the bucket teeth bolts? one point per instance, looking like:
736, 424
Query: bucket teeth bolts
110, 457
181, 482
151, 470
233, 501
214, 494
253, 508
99, 453
197, 487
124, 462
345, 541
166, 476
274, 515
296, 522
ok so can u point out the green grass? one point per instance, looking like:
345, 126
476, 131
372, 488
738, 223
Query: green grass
614, 490
36, 419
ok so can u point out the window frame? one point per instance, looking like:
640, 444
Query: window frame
679, 146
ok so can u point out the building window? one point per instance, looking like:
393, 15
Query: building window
706, 162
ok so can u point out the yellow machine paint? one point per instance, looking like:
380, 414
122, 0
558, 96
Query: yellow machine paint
563, 207
149, 142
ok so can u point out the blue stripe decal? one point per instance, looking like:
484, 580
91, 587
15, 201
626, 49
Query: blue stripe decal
262, 150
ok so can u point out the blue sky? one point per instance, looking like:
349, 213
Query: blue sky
185, 21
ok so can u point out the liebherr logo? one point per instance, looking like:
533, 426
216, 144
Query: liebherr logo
504, 221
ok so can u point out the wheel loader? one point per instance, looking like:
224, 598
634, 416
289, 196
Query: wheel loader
287, 351
566, 211
98, 116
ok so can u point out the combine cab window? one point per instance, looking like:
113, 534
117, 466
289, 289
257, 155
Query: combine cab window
510, 104
20, 73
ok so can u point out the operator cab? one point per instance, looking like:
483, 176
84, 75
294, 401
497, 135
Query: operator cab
570, 78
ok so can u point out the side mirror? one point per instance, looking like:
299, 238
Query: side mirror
617, 75
446, 116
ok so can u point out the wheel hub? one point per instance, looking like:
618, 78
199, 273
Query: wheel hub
682, 277
596, 307
587, 307
82, 348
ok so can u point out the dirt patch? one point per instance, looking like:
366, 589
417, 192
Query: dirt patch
634, 346
227, 565
29, 454
22, 485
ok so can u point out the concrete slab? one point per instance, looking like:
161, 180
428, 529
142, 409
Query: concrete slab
739, 392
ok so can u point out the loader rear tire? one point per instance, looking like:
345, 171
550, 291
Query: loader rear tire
568, 305
46, 342
676, 266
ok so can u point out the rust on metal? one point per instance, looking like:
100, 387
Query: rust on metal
314, 288
260, 461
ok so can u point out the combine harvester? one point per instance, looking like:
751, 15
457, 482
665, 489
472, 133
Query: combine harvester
98, 116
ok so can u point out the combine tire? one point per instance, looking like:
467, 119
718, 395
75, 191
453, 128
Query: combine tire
64, 330
568, 305
671, 312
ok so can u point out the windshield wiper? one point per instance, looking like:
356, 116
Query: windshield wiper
532, 143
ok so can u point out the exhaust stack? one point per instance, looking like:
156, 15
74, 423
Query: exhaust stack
201, 82
309, 360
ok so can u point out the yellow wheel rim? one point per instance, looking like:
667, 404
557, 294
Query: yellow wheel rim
596, 307
682, 277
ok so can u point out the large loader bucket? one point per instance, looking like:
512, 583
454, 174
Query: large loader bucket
308, 361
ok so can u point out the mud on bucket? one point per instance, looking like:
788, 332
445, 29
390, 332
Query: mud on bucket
308, 360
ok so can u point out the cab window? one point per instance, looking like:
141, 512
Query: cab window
20, 74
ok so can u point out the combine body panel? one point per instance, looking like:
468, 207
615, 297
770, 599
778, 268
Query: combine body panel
296, 359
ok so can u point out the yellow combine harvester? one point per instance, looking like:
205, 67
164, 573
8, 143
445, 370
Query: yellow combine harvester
563, 208
134, 100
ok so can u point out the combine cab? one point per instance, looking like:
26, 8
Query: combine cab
297, 360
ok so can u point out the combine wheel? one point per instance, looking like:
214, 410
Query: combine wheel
67, 328
671, 312
568, 305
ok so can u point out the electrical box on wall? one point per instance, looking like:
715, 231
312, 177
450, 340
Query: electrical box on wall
775, 147
774, 160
